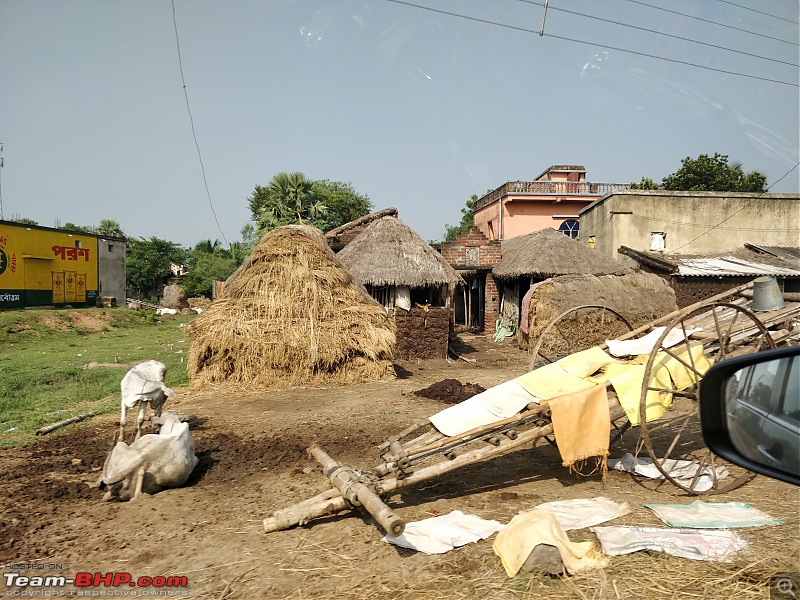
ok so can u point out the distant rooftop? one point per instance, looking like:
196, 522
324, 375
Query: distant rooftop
561, 169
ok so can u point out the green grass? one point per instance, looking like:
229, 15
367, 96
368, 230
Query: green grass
43, 355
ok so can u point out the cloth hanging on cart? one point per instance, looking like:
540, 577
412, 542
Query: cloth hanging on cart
581, 422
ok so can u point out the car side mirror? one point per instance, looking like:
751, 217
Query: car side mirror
750, 412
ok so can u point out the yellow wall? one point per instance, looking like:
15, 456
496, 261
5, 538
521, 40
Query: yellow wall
40, 260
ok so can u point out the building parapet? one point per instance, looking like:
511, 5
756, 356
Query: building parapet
574, 188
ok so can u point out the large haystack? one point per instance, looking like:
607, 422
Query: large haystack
639, 297
291, 315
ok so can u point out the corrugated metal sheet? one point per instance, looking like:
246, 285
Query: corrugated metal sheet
787, 254
729, 266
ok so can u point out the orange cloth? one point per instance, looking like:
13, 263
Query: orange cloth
581, 422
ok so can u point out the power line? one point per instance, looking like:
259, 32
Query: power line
758, 11
677, 37
191, 121
675, 12
595, 44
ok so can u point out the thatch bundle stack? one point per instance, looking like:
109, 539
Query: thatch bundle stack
639, 297
291, 315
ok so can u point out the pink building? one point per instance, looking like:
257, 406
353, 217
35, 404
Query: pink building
553, 199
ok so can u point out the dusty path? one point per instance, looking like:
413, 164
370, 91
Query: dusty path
252, 462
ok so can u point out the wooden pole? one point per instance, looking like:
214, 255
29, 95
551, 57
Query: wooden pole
54, 426
358, 494
329, 503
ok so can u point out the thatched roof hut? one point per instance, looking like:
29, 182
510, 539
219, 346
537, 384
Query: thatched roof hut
547, 253
410, 279
291, 315
389, 252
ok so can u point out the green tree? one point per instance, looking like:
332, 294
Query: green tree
77, 228
147, 265
645, 184
209, 247
110, 228
287, 198
250, 238
24, 221
714, 174
342, 201
204, 268
467, 221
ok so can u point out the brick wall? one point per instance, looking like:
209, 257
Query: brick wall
492, 305
471, 249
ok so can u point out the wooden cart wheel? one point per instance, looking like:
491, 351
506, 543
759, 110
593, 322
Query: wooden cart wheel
601, 317
727, 330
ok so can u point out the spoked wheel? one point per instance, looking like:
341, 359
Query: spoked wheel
674, 441
577, 329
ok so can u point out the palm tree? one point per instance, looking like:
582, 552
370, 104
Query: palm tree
288, 198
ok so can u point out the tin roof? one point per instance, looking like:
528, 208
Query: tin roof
729, 266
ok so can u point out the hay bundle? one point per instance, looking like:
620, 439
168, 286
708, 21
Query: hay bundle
639, 297
291, 315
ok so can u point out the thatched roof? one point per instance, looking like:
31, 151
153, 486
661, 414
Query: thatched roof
292, 315
547, 253
389, 252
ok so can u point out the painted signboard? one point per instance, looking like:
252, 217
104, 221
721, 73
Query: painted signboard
41, 267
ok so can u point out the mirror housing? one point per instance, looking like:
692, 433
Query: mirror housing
750, 412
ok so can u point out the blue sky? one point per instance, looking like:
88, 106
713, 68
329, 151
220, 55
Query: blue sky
418, 109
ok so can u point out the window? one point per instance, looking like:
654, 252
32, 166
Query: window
658, 241
570, 227
111, 247
77, 243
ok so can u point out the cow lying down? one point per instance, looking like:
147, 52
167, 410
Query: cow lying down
153, 462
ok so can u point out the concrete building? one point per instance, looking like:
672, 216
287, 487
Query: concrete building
689, 223
41, 266
553, 200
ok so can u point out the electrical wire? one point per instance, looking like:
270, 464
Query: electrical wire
677, 37
675, 12
595, 44
758, 11
191, 121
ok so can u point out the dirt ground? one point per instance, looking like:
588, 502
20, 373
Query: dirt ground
252, 455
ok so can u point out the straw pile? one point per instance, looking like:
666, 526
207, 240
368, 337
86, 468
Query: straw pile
291, 315
639, 297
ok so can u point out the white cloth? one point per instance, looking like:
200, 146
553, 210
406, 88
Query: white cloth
713, 515
495, 404
438, 535
681, 470
712, 544
645, 345
585, 512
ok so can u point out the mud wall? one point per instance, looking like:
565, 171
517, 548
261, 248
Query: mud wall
422, 334
689, 290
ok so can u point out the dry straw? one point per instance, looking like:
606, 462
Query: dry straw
291, 315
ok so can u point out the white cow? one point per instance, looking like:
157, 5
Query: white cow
153, 462
143, 386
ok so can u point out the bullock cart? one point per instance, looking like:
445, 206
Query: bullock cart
722, 327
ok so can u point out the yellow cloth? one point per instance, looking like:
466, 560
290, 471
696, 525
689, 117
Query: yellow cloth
566, 375
581, 422
626, 378
516, 541
683, 376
